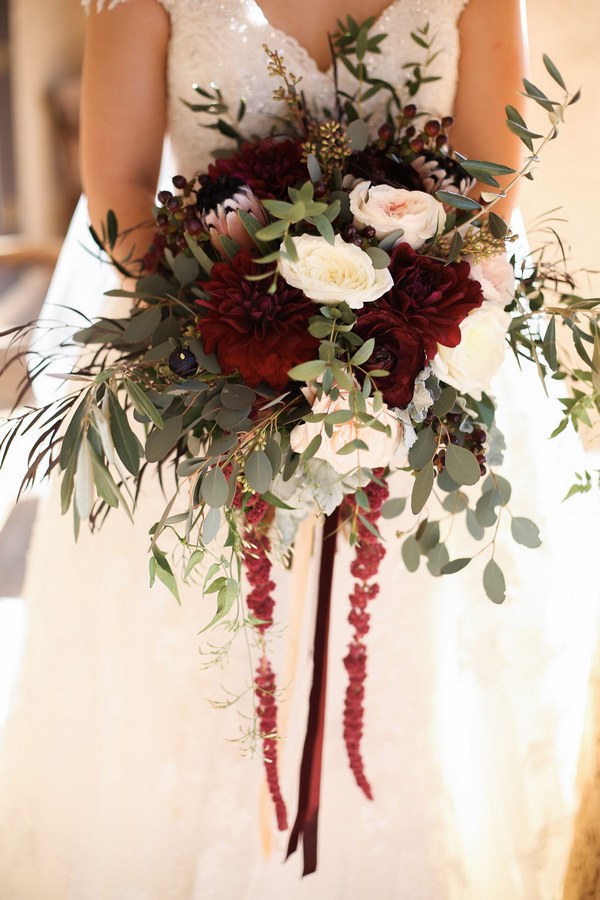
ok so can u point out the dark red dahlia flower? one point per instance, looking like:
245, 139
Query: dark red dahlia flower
398, 349
434, 298
269, 167
258, 334
381, 169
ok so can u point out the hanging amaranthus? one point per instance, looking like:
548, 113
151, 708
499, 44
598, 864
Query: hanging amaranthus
369, 553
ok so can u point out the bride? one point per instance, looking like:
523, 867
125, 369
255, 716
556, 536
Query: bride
118, 780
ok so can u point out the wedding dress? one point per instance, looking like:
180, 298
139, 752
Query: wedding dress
118, 779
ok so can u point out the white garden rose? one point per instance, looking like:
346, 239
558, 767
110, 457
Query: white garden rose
331, 274
470, 366
496, 277
386, 209
381, 446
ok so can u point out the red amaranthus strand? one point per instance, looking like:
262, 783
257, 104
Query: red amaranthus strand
368, 555
261, 604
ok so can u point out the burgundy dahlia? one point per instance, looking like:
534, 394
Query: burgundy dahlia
269, 167
433, 297
381, 169
258, 334
399, 349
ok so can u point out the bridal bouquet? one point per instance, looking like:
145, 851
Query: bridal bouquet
323, 306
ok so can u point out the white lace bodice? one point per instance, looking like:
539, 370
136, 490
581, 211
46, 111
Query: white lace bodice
207, 36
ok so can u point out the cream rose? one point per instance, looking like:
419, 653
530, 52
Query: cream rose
334, 273
381, 446
496, 277
470, 366
387, 209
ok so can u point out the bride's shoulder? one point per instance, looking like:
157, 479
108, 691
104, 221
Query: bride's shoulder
99, 5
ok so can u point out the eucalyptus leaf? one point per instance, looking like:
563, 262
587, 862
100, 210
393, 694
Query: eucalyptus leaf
226, 597
84, 482
461, 465
493, 582
379, 257
142, 403
525, 532
142, 325
422, 488
358, 134
444, 402
424, 448
307, 371
214, 487
393, 507
258, 471
437, 558
160, 442
237, 396
455, 565
211, 525
411, 554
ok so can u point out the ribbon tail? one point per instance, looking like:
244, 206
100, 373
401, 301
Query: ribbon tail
305, 825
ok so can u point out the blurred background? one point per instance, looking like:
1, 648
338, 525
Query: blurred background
40, 56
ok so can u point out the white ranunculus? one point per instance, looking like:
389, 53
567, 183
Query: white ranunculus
470, 366
387, 209
496, 277
331, 274
381, 446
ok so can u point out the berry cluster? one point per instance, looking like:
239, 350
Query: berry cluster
473, 441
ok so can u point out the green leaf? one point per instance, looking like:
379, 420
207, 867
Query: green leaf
225, 599
394, 507
411, 554
455, 247
159, 566
84, 484
237, 396
444, 402
525, 532
73, 434
214, 488
455, 565
273, 231
428, 536
493, 582
68, 483
485, 508
195, 559
258, 471
307, 371
211, 525
553, 71
422, 488
596, 361
314, 169
498, 226
437, 558
325, 228
351, 446
142, 325
185, 268
142, 403
358, 134
461, 465
312, 448
126, 443
275, 501
363, 353
105, 484
457, 201
550, 344
513, 115
159, 443
273, 451
424, 448
379, 257
111, 230
199, 254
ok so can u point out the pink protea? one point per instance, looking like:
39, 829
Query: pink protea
368, 555
219, 203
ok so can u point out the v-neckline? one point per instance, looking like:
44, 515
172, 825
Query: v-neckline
325, 73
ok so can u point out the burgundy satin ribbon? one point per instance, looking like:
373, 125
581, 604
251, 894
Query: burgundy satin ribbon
307, 817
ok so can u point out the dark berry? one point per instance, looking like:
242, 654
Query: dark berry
482, 469
369, 233
432, 128
164, 196
453, 439
357, 240
447, 122
349, 233
193, 226
441, 140
162, 220
320, 189
417, 144
386, 132
182, 362
173, 204
180, 182
411, 131
409, 111
204, 180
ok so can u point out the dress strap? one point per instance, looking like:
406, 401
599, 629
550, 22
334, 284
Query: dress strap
110, 4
